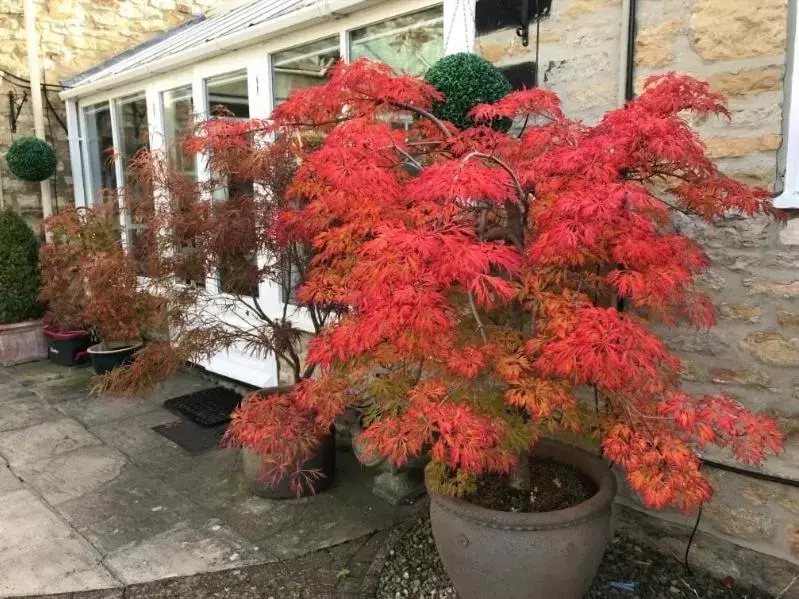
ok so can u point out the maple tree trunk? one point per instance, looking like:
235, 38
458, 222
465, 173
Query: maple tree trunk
520, 475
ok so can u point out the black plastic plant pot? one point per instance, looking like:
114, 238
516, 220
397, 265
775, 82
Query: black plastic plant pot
67, 348
105, 359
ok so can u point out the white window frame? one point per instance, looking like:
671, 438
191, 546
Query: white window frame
789, 198
459, 36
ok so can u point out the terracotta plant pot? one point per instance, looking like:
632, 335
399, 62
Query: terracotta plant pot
548, 555
323, 459
67, 348
22, 342
105, 359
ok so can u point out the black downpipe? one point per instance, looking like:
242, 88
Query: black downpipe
629, 90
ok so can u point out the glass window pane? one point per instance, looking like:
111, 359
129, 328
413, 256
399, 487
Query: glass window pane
134, 136
178, 122
303, 66
228, 95
228, 98
100, 150
410, 43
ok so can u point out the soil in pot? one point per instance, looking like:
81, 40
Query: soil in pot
555, 486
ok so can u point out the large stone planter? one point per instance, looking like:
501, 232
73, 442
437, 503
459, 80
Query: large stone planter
22, 342
550, 555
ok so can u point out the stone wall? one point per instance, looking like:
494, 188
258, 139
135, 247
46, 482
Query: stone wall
751, 529
74, 35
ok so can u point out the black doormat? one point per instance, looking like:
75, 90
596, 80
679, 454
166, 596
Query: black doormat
209, 407
192, 437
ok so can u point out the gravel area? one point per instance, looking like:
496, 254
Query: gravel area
628, 571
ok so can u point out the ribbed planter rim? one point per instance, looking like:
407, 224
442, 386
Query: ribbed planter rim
95, 349
593, 467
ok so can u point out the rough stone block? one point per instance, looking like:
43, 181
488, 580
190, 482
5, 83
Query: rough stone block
746, 82
735, 29
654, 46
734, 311
754, 378
725, 147
773, 348
789, 235
789, 290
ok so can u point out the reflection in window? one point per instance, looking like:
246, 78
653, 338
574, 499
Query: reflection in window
410, 43
228, 95
303, 66
134, 136
228, 98
178, 122
100, 150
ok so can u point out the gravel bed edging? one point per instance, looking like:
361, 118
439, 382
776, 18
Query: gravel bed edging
372, 577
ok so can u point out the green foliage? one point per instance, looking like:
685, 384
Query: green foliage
466, 80
19, 270
31, 159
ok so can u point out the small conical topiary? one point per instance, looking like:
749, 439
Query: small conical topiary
31, 159
19, 270
466, 80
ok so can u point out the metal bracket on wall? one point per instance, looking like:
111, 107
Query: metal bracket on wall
531, 11
15, 108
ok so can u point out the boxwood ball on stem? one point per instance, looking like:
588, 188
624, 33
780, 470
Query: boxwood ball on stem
467, 80
31, 159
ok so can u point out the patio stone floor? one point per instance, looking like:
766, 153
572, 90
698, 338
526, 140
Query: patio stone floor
92, 498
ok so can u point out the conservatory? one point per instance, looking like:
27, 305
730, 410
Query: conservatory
246, 57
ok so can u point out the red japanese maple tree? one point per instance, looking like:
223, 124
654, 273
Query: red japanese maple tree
501, 284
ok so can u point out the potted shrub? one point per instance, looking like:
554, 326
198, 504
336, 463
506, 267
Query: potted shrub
98, 285
21, 337
505, 295
63, 289
184, 239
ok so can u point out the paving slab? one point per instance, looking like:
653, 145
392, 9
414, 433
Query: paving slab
134, 435
93, 411
44, 440
184, 550
9, 482
11, 390
324, 522
142, 507
25, 411
40, 554
70, 475
131, 508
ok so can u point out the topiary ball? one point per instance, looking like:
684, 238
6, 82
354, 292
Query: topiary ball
19, 270
31, 159
466, 80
